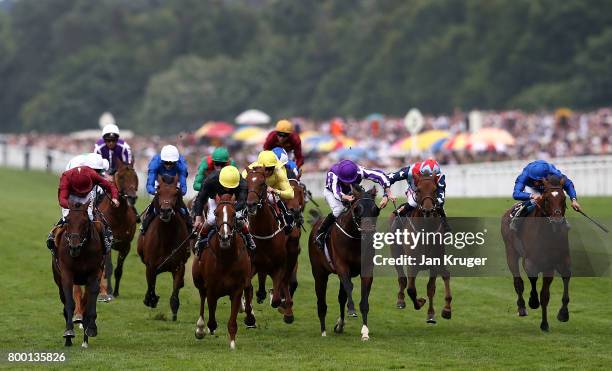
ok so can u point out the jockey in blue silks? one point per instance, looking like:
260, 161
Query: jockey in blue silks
529, 186
168, 163
290, 165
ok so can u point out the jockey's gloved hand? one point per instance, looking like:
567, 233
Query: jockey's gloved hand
575, 205
115, 202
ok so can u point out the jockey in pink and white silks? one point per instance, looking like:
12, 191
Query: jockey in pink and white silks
411, 175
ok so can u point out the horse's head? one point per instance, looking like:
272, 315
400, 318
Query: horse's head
296, 205
364, 210
426, 192
77, 230
552, 203
167, 196
127, 182
256, 186
225, 219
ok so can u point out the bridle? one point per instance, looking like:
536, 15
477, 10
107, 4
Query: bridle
421, 200
165, 216
130, 199
219, 226
75, 250
260, 194
557, 216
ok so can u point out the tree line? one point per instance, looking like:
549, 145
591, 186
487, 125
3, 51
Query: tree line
164, 66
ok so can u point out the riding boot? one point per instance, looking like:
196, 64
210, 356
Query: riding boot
51, 237
149, 215
445, 226
107, 235
288, 218
203, 238
248, 238
185, 214
324, 228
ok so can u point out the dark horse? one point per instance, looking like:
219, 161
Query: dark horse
164, 247
344, 257
78, 261
274, 256
224, 268
122, 220
424, 218
544, 247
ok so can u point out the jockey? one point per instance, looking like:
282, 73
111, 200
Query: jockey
528, 187
111, 147
77, 185
340, 178
411, 175
285, 137
219, 183
219, 159
290, 166
168, 163
278, 185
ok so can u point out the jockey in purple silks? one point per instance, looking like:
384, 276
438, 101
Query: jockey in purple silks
110, 147
340, 178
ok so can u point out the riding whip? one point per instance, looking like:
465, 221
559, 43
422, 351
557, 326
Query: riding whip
594, 221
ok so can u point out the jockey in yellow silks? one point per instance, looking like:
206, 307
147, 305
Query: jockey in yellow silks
278, 185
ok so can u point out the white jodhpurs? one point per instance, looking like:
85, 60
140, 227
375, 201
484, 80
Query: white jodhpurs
334, 204
210, 214
82, 200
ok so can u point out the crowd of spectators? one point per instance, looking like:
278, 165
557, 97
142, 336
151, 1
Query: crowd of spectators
541, 135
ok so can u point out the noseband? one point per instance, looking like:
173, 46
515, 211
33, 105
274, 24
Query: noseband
75, 250
557, 213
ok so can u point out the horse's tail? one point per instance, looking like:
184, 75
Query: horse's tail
315, 216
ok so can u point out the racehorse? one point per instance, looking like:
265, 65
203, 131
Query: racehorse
122, 220
78, 261
424, 218
274, 256
544, 247
164, 247
224, 268
353, 229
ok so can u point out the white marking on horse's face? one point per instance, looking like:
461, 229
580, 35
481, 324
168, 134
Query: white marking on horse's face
253, 179
554, 193
225, 227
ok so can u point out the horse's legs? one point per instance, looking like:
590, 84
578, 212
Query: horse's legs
67, 287
232, 326
79, 309
512, 259
261, 287
448, 297
545, 297
345, 280
212, 319
364, 305
119, 270
249, 320
178, 277
108, 273
412, 292
563, 314
278, 284
321, 279
199, 332
431, 291
151, 298
534, 303
91, 294
293, 284
402, 281
342, 298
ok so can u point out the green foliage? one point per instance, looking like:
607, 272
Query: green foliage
170, 65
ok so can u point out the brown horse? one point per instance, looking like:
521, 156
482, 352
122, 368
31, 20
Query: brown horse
78, 261
274, 256
122, 220
224, 268
425, 217
544, 247
344, 256
164, 247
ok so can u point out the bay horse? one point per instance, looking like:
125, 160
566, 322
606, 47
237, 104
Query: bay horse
121, 220
345, 257
164, 247
224, 268
274, 256
424, 218
543, 246
78, 261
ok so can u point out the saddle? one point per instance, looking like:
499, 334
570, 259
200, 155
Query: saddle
515, 208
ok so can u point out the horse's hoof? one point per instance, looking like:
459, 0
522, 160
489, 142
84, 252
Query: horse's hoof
563, 315
351, 313
260, 300
401, 304
288, 319
116, 294
78, 318
69, 333
174, 316
431, 320
85, 345
522, 312
446, 313
419, 303
68, 342
534, 303
365, 333
544, 326
199, 334
233, 345
92, 332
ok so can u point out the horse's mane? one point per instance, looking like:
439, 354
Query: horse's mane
168, 179
554, 180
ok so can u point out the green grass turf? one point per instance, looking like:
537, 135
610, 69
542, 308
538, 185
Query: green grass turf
484, 331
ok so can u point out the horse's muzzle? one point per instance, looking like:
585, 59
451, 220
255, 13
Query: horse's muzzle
166, 214
131, 200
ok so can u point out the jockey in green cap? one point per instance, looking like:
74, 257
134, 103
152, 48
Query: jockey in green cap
215, 161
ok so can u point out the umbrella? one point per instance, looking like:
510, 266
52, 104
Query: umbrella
423, 141
458, 142
438, 145
247, 133
307, 134
491, 136
334, 144
213, 129
252, 117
